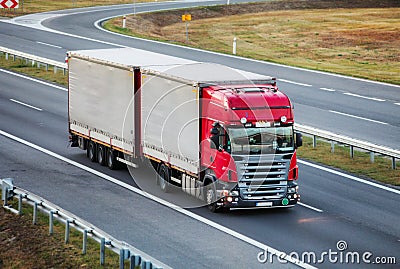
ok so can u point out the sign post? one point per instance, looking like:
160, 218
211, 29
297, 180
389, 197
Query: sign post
186, 18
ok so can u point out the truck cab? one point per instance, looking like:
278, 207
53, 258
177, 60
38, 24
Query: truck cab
249, 147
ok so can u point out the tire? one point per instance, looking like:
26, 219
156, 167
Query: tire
101, 155
91, 151
210, 196
112, 161
163, 178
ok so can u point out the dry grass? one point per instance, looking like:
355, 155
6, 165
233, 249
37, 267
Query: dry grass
35, 6
361, 42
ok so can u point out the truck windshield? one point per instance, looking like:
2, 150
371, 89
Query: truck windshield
261, 140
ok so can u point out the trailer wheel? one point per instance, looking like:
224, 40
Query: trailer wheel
101, 155
164, 178
112, 161
91, 151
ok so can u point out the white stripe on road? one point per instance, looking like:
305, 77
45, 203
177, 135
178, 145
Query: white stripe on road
327, 89
33, 79
296, 83
310, 207
357, 117
397, 104
50, 45
215, 225
24, 104
329, 170
364, 97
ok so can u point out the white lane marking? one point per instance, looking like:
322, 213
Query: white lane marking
364, 97
329, 170
163, 202
397, 104
32, 79
24, 104
296, 83
357, 117
327, 89
50, 45
310, 207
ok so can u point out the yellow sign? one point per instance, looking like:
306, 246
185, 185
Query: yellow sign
187, 17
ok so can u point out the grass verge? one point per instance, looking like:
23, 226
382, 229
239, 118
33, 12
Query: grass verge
361, 39
35, 6
381, 170
24, 245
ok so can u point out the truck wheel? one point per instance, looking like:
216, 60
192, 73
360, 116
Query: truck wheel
91, 151
112, 161
164, 178
101, 155
210, 198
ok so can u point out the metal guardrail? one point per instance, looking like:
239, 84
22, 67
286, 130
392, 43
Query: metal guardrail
351, 142
125, 251
34, 59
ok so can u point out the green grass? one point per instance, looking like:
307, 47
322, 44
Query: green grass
381, 170
21, 66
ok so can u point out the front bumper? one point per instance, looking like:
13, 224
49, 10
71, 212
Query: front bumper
238, 202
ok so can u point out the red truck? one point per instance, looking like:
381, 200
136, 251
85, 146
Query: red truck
223, 135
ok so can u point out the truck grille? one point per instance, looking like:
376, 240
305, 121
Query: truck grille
262, 177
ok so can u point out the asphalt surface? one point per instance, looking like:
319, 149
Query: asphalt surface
360, 109
364, 216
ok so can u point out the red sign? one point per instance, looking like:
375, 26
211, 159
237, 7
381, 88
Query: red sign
9, 3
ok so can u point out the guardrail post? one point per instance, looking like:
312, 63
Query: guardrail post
146, 265
20, 204
35, 205
102, 251
84, 243
121, 258
7, 56
333, 146
51, 217
393, 163
55, 69
314, 141
47, 67
67, 225
372, 157
351, 152
13, 57
33, 63
64, 71
5, 197
135, 260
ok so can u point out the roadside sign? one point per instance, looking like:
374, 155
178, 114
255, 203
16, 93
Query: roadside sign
9, 3
187, 17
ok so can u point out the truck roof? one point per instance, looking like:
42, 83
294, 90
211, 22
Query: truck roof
189, 71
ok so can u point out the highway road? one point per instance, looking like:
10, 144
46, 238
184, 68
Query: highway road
335, 206
357, 108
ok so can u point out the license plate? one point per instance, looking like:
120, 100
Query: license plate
264, 204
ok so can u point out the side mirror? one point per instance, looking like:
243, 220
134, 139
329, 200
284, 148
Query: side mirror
299, 140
